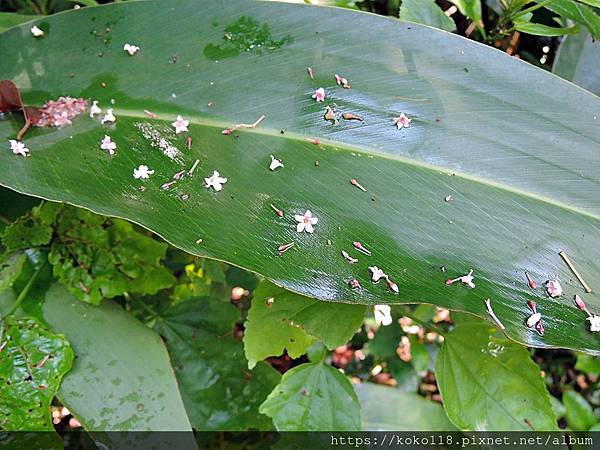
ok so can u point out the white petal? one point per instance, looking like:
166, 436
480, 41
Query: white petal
299, 218
309, 228
300, 227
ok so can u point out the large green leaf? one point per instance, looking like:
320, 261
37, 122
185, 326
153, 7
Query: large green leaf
32, 363
578, 60
313, 397
480, 133
279, 320
122, 378
219, 392
385, 408
491, 384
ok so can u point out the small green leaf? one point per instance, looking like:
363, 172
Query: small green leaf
426, 12
218, 391
32, 364
420, 355
539, 29
588, 364
11, 266
385, 408
122, 378
581, 14
491, 384
580, 416
469, 8
313, 397
34, 229
279, 319
558, 408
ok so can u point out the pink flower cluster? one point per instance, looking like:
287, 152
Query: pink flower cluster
58, 113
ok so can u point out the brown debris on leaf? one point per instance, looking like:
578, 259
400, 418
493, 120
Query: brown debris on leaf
10, 101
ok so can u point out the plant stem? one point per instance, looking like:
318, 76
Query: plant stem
25, 291
533, 8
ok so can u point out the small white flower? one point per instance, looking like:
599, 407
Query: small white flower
216, 181
180, 125
109, 116
533, 319
594, 323
36, 31
18, 148
109, 145
275, 163
377, 274
131, 49
305, 222
402, 121
349, 258
465, 279
142, 172
95, 109
319, 95
553, 288
383, 314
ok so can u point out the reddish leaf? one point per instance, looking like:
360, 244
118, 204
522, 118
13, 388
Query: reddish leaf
10, 100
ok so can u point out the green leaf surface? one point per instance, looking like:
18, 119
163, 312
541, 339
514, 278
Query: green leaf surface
469, 8
279, 319
577, 12
539, 29
518, 197
491, 384
219, 392
388, 409
578, 60
122, 378
588, 364
313, 397
426, 12
580, 416
8, 20
33, 361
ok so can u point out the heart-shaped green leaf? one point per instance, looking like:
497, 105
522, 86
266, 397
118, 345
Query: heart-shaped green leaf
515, 148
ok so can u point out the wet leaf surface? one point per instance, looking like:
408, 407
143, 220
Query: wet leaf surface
518, 198
218, 389
122, 378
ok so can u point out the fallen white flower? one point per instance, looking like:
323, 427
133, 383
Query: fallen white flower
109, 116
180, 125
377, 274
95, 109
36, 31
305, 222
275, 163
131, 49
18, 148
594, 323
142, 172
216, 181
109, 145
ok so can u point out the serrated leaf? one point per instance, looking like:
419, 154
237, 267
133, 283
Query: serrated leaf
491, 384
516, 201
32, 364
279, 320
385, 408
426, 12
313, 397
122, 378
33, 229
219, 392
